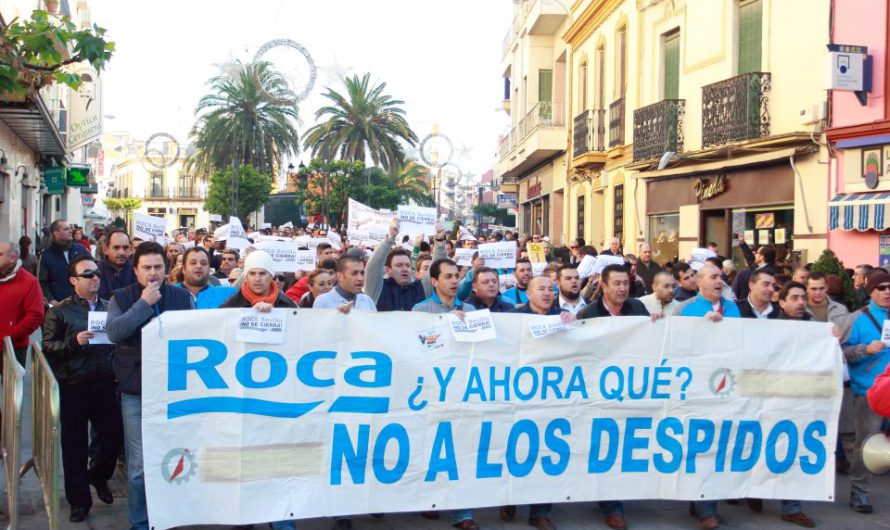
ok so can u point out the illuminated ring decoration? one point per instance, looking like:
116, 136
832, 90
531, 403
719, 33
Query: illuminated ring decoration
288, 43
151, 153
442, 160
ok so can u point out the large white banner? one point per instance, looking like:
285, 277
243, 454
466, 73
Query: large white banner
387, 412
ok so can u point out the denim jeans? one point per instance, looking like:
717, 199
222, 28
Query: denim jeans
458, 516
131, 409
790, 507
283, 525
705, 509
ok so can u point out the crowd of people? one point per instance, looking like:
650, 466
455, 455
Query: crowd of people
134, 281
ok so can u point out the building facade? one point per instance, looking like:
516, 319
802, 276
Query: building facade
533, 156
34, 147
163, 185
859, 176
698, 121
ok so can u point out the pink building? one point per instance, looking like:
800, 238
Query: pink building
859, 175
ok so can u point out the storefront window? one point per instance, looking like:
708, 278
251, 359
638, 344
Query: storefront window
762, 226
664, 237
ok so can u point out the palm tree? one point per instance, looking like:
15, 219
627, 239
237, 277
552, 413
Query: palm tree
412, 184
250, 118
363, 122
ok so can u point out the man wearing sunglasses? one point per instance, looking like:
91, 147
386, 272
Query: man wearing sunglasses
87, 389
867, 357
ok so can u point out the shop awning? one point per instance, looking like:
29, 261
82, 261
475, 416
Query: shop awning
859, 211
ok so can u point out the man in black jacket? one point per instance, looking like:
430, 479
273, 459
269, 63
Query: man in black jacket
614, 302
761, 288
129, 310
615, 280
87, 390
486, 293
763, 259
52, 270
116, 269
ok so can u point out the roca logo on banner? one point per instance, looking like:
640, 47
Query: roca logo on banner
374, 372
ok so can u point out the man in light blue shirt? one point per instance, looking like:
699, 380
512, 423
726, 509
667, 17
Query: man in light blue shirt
196, 280
523, 274
347, 294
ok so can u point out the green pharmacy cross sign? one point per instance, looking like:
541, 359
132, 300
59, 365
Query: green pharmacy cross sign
54, 179
78, 176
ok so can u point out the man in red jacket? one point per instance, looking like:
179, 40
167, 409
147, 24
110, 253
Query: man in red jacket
879, 394
22, 309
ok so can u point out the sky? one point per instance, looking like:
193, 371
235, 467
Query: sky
441, 58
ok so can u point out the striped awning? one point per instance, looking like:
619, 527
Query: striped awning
859, 211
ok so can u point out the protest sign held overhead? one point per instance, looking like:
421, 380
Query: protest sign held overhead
366, 223
149, 228
417, 220
500, 255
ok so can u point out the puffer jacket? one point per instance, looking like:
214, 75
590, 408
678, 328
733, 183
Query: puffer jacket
73, 364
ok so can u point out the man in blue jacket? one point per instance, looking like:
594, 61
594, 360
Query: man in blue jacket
867, 357
708, 303
52, 270
129, 310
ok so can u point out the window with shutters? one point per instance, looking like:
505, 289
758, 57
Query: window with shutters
581, 216
619, 212
621, 43
545, 93
582, 74
750, 36
601, 78
671, 81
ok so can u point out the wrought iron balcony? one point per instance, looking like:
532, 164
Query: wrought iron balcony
616, 123
544, 114
589, 132
735, 109
505, 146
160, 192
658, 128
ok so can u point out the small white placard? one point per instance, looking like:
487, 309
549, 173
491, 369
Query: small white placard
261, 328
477, 326
604, 261
149, 228
885, 333
499, 255
417, 220
287, 256
542, 326
464, 256
585, 268
96, 323
538, 268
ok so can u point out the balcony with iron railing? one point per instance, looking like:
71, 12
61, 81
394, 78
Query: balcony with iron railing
538, 135
735, 109
658, 128
589, 132
616, 123
188, 193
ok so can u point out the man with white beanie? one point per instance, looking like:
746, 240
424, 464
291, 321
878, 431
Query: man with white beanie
260, 292
259, 289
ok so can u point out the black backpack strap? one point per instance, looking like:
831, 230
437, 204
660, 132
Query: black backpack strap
873, 320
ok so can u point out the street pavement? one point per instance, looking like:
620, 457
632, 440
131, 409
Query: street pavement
657, 515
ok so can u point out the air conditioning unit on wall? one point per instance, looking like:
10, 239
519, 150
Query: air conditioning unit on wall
812, 114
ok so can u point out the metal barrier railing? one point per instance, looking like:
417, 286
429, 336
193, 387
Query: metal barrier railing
11, 429
46, 450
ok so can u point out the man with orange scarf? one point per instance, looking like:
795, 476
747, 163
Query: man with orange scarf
259, 289
260, 292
